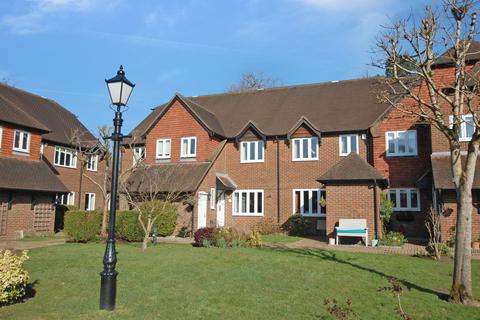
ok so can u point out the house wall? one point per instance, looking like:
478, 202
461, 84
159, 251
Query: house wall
405, 171
352, 201
7, 142
71, 177
263, 175
176, 123
21, 215
448, 216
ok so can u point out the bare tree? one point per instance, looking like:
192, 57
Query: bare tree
85, 151
253, 81
432, 224
425, 96
148, 183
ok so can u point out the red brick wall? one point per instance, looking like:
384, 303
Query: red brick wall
21, 215
7, 142
449, 214
351, 201
70, 177
176, 123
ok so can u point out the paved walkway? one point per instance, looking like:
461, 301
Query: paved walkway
25, 244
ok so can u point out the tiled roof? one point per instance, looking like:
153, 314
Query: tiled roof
442, 172
32, 175
351, 168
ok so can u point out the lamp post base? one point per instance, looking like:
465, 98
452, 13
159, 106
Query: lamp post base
108, 290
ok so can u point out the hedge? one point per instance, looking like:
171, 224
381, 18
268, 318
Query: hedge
82, 226
128, 227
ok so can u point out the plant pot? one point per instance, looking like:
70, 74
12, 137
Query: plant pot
476, 245
331, 241
374, 242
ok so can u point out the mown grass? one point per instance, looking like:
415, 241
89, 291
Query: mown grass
172, 281
279, 238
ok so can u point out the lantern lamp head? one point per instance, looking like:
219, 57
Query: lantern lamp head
119, 88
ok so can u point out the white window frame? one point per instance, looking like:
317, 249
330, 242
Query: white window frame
396, 153
321, 211
462, 135
212, 198
164, 153
21, 148
256, 213
1, 135
245, 156
409, 199
349, 144
70, 198
187, 153
139, 154
66, 151
92, 165
91, 201
310, 143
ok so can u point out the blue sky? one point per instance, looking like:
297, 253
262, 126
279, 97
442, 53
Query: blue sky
64, 49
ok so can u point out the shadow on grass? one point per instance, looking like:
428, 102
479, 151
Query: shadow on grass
332, 257
29, 293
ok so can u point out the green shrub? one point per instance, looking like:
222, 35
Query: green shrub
82, 226
298, 225
183, 232
128, 227
13, 277
393, 239
443, 249
166, 213
386, 211
254, 239
239, 243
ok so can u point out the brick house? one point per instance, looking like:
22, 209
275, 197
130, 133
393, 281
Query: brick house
267, 154
38, 167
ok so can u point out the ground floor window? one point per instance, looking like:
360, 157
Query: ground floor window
405, 199
248, 202
309, 202
66, 199
89, 201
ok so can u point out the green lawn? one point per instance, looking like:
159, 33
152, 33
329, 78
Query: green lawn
172, 281
279, 237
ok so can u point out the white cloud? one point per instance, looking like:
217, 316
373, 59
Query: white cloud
41, 14
161, 17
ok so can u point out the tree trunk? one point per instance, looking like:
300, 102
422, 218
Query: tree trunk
146, 238
103, 230
461, 291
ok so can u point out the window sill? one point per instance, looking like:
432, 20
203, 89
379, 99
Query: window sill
321, 215
256, 161
401, 155
91, 170
304, 160
67, 167
346, 154
247, 214
20, 152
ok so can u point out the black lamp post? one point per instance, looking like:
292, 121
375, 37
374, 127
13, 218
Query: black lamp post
120, 89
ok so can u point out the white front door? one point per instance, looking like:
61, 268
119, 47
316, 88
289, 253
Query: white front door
202, 210
220, 209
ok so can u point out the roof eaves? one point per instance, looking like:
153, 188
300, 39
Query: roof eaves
250, 125
303, 121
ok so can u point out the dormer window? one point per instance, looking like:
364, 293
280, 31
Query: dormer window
252, 151
189, 147
305, 149
21, 141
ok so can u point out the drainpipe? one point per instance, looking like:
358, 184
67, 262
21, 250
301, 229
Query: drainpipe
375, 207
278, 180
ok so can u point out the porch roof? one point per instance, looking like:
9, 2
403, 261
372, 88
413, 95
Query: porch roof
224, 182
442, 172
31, 175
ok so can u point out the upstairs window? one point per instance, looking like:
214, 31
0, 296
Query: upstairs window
189, 147
21, 141
89, 201
309, 202
305, 149
467, 127
252, 151
348, 144
66, 199
65, 157
401, 143
92, 162
248, 203
163, 148
405, 199
138, 155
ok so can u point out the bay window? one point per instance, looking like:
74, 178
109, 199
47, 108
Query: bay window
405, 199
309, 202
